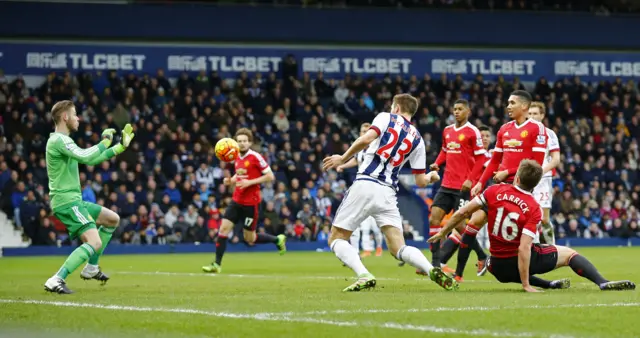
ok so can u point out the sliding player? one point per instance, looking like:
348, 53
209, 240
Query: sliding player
517, 140
514, 216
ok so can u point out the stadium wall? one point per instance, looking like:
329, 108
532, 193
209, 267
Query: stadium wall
116, 249
38, 58
190, 22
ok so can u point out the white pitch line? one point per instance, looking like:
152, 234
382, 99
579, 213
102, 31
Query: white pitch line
192, 274
284, 318
457, 309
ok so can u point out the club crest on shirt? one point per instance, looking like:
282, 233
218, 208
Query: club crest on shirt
540, 139
246, 163
461, 137
524, 134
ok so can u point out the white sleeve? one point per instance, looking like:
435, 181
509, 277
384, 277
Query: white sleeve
418, 158
381, 123
552, 143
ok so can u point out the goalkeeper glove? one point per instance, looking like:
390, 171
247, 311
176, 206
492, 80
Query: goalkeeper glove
107, 137
127, 136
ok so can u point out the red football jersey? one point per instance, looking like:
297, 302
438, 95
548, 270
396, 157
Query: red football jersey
461, 148
512, 212
515, 143
250, 166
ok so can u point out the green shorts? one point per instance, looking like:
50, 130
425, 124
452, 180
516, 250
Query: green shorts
78, 217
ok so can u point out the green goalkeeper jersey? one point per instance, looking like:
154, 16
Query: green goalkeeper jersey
63, 156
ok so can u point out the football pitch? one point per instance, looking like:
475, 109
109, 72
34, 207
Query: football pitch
299, 295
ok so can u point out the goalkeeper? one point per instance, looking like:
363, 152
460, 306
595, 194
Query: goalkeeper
79, 217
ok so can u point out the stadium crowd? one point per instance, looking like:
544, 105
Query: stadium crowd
167, 186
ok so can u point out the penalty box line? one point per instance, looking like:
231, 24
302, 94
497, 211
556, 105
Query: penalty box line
286, 318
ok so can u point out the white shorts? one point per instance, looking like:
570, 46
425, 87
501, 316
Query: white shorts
544, 192
368, 198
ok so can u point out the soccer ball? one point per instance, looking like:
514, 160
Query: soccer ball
227, 149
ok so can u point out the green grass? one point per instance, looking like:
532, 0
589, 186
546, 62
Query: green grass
299, 295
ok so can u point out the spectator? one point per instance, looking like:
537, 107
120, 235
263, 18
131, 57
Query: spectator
297, 121
17, 198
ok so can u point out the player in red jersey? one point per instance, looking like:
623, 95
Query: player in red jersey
251, 170
450, 246
517, 140
462, 151
514, 217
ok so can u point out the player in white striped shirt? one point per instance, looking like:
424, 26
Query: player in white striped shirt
544, 190
368, 225
390, 142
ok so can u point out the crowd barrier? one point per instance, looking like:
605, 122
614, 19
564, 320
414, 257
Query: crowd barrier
119, 249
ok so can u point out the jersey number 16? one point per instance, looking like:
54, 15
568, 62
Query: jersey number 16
507, 227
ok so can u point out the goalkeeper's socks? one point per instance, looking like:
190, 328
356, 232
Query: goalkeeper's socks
77, 258
105, 234
221, 247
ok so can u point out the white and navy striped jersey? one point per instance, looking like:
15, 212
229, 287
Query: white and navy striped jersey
553, 145
360, 156
398, 142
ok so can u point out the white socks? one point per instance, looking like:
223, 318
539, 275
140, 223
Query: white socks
378, 236
349, 256
548, 233
355, 239
415, 258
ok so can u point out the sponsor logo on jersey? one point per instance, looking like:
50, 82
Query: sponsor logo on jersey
524, 134
512, 143
540, 139
241, 171
453, 145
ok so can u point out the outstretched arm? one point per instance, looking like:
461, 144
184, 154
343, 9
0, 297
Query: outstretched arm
350, 164
459, 216
88, 156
